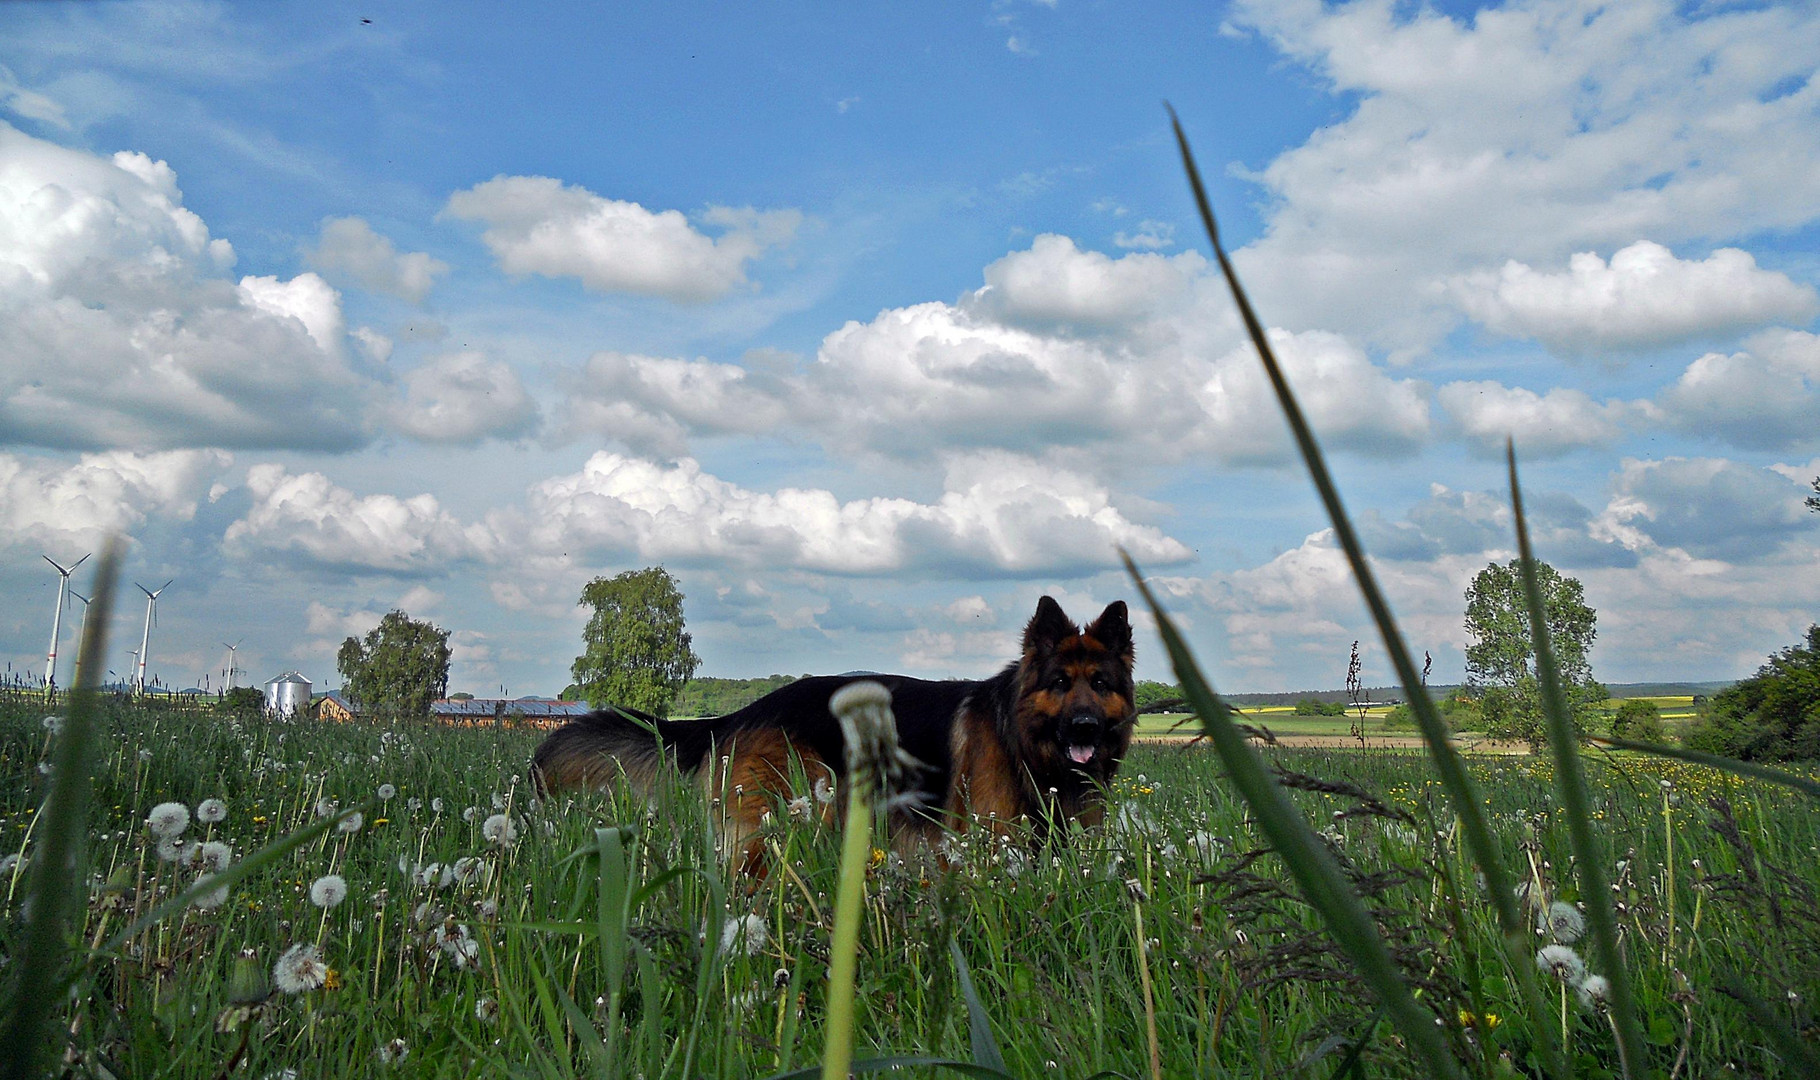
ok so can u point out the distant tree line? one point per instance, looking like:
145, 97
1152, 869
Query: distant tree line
708, 696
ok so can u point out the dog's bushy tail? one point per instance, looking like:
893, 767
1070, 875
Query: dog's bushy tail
593, 751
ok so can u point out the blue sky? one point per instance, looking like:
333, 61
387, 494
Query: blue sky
875, 323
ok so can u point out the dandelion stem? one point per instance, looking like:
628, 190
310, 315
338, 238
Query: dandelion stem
856, 846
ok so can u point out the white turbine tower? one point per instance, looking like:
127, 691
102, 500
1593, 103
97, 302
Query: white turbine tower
63, 581
151, 609
231, 668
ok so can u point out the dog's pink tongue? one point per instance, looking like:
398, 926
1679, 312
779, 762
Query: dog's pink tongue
1080, 755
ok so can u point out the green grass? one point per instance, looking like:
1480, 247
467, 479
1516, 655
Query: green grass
1243, 977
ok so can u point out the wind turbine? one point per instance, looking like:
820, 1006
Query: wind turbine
63, 581
231, 669
151, 609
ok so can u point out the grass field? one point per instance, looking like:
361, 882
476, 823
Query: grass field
460, 952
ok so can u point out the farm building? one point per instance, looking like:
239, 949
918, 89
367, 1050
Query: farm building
514, 712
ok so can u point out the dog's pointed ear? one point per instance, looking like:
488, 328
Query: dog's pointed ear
1113, 629
1048, 626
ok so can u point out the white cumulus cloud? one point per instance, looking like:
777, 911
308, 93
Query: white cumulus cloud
539, 225
1763, 397
1710, 508
1543, 425
998, 516
1643, 298
47, 501
306, 518
1063, 352
121, 330
349, 245
462, 399
1526, 131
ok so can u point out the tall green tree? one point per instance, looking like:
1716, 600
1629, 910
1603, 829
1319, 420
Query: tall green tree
1773, 715
636, 650
398, 668
1500, 657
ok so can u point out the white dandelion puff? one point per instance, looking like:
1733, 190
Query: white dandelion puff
300, 969
824, 790
352, 823
413, 804
53, 724
469, 814
801, 808
215, 855
386, 791
499, 829
1561, 962
326, 807
750, 933
168, 819
1594, 992
436, 805
175, 849
459, 945
328, 890
393, 1052
214, 898
1563, 922
486, 1010
211, 811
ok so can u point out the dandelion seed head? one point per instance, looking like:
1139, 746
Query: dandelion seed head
1563, 922
749, 933
1594, 992
393, 1052
352, 823
328, 890
53, 724
470, 814
211, 811
1561, 962
175, 849
499, 829
300, 969
824, 790
214, 898
386, 791
436, 805
168, 819
326, 807
215, 855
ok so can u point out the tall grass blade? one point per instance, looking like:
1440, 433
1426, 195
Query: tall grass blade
614, 917
1800, 783
59, 868
1570, 788
979, 1025
1307, 860
1475, 830
1797, 1054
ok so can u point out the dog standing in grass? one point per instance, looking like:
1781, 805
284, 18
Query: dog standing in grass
1032, 747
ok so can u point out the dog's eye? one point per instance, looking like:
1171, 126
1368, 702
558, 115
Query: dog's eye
1099, 683
1060, 684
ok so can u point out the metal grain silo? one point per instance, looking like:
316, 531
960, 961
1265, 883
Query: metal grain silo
288, 695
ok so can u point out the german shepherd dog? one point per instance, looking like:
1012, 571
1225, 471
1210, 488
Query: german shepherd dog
1030, 748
